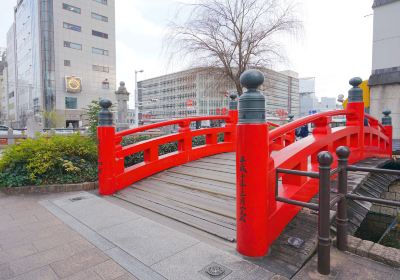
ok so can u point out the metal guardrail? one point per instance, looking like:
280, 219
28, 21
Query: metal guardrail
325, 203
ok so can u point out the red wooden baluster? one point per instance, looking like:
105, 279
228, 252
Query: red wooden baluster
185, 144
387, 124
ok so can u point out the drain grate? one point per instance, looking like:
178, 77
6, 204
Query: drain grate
78, 198
295, 242
215, 271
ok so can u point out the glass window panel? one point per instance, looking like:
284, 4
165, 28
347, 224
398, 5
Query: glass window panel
72, 27
99, 51
72, 45
99, 17
100, 68
104, 2
71, 8
99, 34
71, 102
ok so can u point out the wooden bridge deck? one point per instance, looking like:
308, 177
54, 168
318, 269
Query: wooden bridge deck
202, 194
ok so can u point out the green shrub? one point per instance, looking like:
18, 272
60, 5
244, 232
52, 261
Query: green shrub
49, 160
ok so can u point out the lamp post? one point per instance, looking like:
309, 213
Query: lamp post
137, 98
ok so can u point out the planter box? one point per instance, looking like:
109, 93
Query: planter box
86, 186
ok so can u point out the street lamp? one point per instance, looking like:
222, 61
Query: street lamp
137, 98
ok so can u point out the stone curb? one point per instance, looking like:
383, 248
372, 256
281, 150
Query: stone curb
57, 188
374, 251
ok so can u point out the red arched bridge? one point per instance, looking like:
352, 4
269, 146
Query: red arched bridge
276, 174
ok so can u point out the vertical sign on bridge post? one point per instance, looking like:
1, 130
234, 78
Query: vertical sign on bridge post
251, 168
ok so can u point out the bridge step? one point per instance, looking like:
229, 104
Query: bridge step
198, 184
197, 218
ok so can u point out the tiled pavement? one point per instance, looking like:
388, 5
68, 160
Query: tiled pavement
81, 236
34, 244
60, 237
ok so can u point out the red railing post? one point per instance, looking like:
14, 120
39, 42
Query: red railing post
106, 150
185, 144
321, 128
355, 105
252, 157
387, 124
230, 136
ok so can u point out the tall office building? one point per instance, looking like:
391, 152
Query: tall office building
203, 91
61, 56
3, 86
308, 99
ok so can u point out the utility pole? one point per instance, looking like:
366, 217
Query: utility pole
137, 98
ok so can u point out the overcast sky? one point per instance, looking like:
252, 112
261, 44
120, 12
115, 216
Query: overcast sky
336, 43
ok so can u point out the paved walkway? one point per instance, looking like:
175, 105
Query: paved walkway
34, 244
346, 266
83, 236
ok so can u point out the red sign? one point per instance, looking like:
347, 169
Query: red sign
3, 141
223, 111
281, 113
189, 103
218, 111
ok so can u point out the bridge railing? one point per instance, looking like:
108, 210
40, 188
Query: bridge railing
260, 153
114, 175
260, 216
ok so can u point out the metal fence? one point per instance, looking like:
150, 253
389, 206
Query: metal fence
326, 202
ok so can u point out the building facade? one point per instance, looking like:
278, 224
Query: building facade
309, 102
3, 86
203, 91
308, 99
385, 79
61, 56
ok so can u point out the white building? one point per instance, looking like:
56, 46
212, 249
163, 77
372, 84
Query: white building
385, 79
3, 87
203, 91
61, 57
308, 100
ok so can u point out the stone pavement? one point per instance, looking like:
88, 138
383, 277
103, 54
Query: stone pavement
34, 244
346, 266
83, 236
145, 248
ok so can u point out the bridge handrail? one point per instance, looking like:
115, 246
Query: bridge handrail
374, 122
281, 130
273, 124
172, 122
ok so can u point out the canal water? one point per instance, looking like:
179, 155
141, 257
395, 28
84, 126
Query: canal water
379, 228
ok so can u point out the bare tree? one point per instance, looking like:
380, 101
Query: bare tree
233, 35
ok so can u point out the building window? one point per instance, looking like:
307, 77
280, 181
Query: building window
100, 68
105, 84
99, 51
67, 63
99, 17
71, 103
99, 34
71, 8
72, 27
72, 45
104, 2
